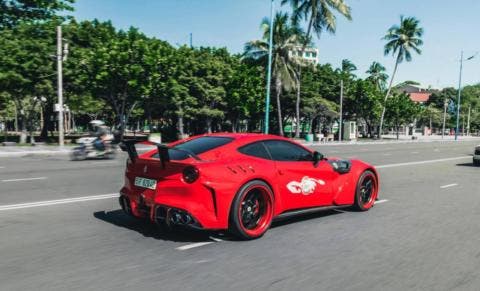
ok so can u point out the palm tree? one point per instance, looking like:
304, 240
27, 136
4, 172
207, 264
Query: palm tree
401, 40
319, 13
285, 38
348, 67
377, 75
320, 17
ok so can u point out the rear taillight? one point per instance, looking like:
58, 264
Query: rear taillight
190, 174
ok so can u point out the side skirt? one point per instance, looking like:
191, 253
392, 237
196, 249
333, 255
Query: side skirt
296, 212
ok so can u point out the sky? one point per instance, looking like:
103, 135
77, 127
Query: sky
449, 27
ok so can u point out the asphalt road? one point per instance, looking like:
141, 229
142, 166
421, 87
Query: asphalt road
425, 235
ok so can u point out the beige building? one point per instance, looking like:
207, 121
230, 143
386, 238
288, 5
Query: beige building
310, 54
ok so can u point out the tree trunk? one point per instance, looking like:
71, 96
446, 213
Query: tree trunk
180, 126
430, 125
234, 125
32, 134
23, 134
380, 131
5, 130
16, 116
278, 89
397, 132
297, 103
209, 125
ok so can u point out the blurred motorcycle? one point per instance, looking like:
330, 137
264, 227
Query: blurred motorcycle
88, 150
98, 145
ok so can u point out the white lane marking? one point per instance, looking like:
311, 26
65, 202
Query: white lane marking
414, 153
387, 154
2, 167
436, 150
215, 239
58, 201
380, 201
422, 162
194, 245
449, 185
24, 179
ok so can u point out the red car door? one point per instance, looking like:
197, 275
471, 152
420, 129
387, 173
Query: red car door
299, 182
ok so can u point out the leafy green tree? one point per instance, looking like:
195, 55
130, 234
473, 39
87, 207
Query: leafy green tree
471, 106
431, 116
401, 41
315, 105
438, 98
285, 40
244, 92
26, 69
401, 110
114, 70
13, 12
364, 103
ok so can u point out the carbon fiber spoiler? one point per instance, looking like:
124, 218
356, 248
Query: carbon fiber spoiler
163, 151
129, 147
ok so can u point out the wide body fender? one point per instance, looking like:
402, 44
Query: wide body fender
345, 185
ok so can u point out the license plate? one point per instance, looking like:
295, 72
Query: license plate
145, 183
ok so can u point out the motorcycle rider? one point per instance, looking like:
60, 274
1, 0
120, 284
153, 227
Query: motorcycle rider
100, 141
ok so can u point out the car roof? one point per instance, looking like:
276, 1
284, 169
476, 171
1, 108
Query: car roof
239, 139
244, 137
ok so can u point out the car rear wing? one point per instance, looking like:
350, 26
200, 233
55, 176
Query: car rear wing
163, 151
129, 147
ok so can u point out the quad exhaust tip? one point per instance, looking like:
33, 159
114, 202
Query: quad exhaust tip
174, 217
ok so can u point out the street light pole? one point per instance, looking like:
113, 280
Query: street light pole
60, 86
269, 71
460, 91
341, 112
468, 119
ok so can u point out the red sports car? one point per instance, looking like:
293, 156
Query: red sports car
240, 182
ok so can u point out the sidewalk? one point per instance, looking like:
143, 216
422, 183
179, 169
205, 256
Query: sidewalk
20, 151
392, 139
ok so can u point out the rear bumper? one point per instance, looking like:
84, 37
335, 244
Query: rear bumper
195, 205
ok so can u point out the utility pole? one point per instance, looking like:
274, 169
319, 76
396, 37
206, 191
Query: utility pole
341, 112
445, 103
460, 91
191, 40
269, 70
60, 86
468, 120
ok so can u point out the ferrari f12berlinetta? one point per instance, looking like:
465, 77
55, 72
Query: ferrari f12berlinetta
240, 182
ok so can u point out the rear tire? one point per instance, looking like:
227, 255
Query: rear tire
366, 192
476, 163
251, 212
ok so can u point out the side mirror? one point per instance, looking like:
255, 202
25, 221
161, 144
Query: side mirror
317, 157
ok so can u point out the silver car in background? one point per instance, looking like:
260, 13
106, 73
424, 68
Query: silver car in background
476, 156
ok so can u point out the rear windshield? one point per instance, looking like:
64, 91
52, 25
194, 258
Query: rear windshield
196, 146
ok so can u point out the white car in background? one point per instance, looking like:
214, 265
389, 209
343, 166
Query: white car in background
476, 156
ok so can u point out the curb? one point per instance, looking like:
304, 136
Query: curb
27, 153
386, 142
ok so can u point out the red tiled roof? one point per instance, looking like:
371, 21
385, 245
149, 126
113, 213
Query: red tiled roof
420, 96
